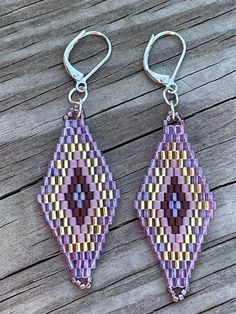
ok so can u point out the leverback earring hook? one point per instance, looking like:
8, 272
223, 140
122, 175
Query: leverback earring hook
166, 80
79, 77
160, 78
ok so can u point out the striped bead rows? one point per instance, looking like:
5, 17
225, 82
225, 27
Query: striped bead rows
79, 197
175, 206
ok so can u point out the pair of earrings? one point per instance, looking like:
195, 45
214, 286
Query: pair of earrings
79, 195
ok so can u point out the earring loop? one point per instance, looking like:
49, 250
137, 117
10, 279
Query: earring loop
79, 77
74, 73
166, 80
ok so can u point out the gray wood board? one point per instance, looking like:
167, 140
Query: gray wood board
124, 110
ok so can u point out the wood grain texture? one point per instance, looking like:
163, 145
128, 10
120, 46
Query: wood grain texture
125, 111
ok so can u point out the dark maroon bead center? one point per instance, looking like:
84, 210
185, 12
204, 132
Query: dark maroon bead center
79, 196
174, 205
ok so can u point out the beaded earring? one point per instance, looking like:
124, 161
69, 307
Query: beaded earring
79, 196
174, 204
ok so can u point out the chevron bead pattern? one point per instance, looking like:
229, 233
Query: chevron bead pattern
175, 207
78, 198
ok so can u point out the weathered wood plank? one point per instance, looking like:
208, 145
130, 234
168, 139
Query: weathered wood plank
124, 104
139, 284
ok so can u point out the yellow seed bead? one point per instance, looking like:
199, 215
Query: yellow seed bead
169, 154
53, 215
61, 231
70, 248
73, 238
92, 246
165, 256
57, 205
76, 138
168, 247
45, 199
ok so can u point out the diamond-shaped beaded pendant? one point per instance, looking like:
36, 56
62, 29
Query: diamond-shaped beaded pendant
175, 206
78, 198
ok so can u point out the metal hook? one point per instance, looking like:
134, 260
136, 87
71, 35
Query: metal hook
160, 78
78, 76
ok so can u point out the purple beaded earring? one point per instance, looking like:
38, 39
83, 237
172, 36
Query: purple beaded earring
79, 195
174, 204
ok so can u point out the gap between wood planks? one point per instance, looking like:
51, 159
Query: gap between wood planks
123, 278
218, 305
128, 276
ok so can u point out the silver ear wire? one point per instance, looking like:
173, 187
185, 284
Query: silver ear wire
171, 87
79, 77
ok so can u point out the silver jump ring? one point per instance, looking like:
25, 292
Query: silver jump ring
80, 101
171, 103
172, 89
81, 87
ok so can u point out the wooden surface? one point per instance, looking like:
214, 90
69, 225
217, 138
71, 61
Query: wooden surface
125, 111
